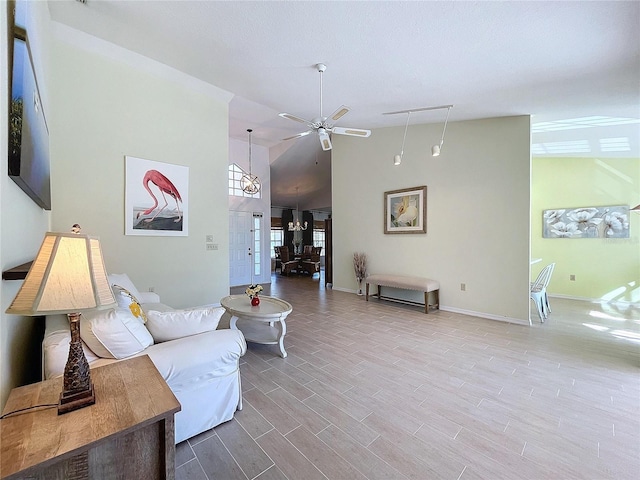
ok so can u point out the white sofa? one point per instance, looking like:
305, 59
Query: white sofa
199, 363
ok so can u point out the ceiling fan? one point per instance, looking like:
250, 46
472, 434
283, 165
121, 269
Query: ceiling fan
324, 125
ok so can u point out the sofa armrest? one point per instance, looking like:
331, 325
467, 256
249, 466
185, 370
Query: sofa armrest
149, 297
197, 358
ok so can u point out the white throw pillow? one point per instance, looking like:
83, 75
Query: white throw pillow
126, 299
124, 281
114, 333
165, 326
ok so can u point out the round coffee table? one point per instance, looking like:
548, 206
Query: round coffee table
262, 324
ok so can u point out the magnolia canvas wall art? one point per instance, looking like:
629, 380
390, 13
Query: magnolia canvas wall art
156, 198
405, 211
586, 222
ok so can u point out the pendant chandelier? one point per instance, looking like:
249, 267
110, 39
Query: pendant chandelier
297, 227
250, 183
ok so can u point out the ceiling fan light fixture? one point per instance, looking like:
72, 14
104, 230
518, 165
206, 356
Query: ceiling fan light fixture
325, 125
325, 141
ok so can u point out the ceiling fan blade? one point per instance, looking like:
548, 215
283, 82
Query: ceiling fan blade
294, 118
339, 113
354, 132
325, 141
298, 135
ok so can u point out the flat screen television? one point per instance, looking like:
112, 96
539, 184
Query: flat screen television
28, 132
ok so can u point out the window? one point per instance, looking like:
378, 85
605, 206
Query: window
257, 232
235, 190
318, 238
277, 239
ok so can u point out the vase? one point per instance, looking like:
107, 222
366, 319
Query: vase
255, 301
359, 286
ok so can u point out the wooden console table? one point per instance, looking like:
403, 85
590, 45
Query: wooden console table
128, 433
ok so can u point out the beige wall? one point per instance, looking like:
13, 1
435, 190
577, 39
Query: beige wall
604, 269
110, 103
22, 224
478, 201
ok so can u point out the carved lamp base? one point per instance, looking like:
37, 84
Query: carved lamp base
77, 386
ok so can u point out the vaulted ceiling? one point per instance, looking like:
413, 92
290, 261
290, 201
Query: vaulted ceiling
554, 60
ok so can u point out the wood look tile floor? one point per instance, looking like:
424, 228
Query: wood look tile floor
379, 390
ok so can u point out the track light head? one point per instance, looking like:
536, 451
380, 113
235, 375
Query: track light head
435, 151
397, 160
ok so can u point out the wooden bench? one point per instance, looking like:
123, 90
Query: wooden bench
404, 282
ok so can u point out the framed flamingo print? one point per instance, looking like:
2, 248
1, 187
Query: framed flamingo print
156, 198
405, 211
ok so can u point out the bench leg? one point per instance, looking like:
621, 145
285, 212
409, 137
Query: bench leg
436, 297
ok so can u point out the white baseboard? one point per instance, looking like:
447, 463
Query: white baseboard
489, 316
595, 300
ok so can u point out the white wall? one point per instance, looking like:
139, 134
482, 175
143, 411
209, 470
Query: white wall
239, 154
109, 103
22, 223
478, 197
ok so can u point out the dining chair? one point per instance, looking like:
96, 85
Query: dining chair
538, 292
287, 264
278, 263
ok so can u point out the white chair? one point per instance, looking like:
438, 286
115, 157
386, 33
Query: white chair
546, 284
538, 292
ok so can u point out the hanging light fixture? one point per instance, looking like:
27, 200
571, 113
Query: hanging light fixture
249, 182
297, 227
435, 150
397, 160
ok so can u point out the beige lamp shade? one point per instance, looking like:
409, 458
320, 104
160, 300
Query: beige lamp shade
68, 275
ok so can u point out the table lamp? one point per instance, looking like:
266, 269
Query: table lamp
67, 276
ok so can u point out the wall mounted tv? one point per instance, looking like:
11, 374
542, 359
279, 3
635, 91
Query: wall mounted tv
28, 132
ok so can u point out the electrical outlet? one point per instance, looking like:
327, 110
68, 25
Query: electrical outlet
572, 278
209, 239
211, 246
463, 287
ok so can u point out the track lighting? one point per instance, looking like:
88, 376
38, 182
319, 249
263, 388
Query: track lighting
435, 150
397, 160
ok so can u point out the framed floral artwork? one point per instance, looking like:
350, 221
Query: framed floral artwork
405, 210
586, 222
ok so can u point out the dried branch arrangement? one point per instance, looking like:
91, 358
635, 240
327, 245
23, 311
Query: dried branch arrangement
360, 265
